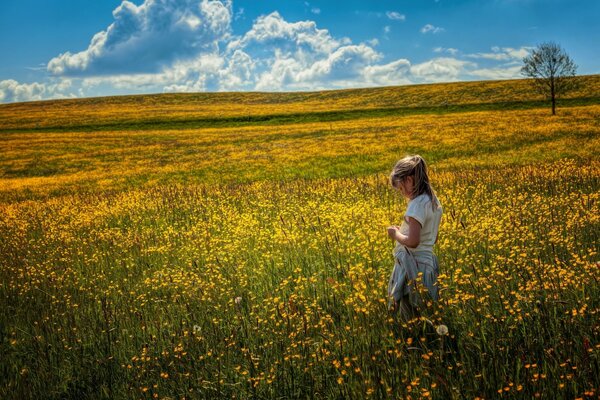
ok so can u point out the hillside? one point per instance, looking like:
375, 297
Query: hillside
119, 143
196, 110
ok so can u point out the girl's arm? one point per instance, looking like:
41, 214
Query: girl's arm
414, 234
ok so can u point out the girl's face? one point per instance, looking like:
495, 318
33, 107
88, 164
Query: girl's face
406, 186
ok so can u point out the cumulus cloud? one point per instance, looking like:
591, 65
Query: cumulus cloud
13, 91
428, 28
395, 16
505, 72
299, 55
239, 73
395, 73
345, 63
273, 54
273, 30
503, 54
449, 50
442, 69
188, 45
148, 37
199, 74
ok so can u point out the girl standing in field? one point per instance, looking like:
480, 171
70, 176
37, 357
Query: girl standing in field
414, 260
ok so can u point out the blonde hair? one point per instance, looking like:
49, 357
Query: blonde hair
416, 167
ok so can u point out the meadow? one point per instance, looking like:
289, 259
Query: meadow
234, 245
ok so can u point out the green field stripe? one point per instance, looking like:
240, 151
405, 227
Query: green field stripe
299, 118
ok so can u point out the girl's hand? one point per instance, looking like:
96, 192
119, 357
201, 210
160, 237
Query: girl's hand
392, 231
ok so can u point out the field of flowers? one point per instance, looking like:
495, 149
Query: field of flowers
205, 109
252, 261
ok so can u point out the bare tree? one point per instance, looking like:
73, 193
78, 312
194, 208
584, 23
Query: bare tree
552, 71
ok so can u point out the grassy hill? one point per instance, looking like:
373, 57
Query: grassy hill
53, 147
196, 110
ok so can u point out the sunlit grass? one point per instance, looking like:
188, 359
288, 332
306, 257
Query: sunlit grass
143, 111
59, 162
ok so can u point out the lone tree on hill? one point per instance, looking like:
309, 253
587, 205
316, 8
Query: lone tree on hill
552, 71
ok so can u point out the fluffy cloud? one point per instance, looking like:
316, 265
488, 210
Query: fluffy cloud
199, 74
394, 73
13, 91
274, 32
449, 50
148, 37
510, 60
299, 55
344, 63
442, 69
498, 72
239, 73
428, 28
334, 70
503, 54
396, 16
187, 45
314, 10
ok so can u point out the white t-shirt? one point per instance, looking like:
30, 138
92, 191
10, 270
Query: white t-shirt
420, 209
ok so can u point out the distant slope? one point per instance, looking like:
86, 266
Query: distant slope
191, 110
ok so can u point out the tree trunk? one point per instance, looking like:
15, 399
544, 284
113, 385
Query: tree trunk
553, 96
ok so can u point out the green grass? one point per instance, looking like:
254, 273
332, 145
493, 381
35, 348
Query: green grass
298, 118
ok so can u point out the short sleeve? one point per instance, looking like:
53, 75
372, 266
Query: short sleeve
417, 209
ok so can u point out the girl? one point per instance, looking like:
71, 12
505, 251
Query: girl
413, 254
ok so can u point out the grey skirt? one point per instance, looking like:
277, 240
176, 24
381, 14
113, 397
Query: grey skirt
405, 276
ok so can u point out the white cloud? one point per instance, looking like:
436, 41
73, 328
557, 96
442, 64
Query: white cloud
395, 16
148, 37
428, 28
386, 30
298, 55
274, 54
281, 75
503, 54
442, 69
276, 32
315, 10
239, 73
344, 64
394, 73
449, 50
199, 74
512, 72
13, 91
239, 14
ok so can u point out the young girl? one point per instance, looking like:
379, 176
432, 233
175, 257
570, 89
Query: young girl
415, 238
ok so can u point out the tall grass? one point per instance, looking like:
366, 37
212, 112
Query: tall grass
278, 290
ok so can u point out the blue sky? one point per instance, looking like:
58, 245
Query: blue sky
82, 48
